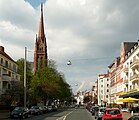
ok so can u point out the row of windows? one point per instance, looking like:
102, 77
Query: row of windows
3, 71
102, 80
102, 90
107, 85
7, 64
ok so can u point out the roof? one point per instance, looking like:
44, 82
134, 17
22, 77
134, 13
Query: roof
112, 108
5, 54
128, 46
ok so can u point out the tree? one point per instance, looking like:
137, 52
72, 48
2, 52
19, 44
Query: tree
86, 99
29, 73
48, 83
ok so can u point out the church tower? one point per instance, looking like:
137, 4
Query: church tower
40, 52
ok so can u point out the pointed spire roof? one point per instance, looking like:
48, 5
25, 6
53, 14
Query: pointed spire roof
41, 25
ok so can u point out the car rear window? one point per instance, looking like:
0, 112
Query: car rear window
113, 112
102, 110
95, 108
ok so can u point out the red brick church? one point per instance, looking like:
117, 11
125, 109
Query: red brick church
40, 52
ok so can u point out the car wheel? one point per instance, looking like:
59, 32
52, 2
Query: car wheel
24, 117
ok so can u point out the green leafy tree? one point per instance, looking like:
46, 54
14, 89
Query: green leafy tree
48, 83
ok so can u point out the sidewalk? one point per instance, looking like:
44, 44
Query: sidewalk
127, 115
4, 115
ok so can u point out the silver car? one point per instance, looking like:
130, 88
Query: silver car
99, 113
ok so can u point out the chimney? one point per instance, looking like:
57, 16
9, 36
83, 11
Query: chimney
1, 48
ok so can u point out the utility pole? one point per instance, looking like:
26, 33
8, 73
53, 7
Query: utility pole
25, 76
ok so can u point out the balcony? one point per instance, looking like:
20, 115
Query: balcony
126, 70
6, 77
14, 79
134, 64
126, 81
135, 78
2, 91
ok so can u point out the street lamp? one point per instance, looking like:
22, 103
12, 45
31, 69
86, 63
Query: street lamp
69, 62
25, 76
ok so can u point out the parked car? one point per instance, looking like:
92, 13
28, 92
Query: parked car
134, 117
49, 108
94, 109
88, 106
54, 108
43, 109
112, 114
99, 113
20, 112
35, 110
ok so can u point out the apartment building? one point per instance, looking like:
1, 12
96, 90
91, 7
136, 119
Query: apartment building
116, 81
103, 89
131, 72
8, 71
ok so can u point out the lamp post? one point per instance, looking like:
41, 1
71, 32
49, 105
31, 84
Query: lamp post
25, 76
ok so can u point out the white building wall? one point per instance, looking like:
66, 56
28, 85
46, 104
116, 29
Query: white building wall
131, 56
103, 89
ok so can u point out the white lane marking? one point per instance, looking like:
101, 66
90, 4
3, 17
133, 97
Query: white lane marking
64, 117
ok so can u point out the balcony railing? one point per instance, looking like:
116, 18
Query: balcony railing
134, 64
134, 78
126, 70
126, 81
15, 79
6, 77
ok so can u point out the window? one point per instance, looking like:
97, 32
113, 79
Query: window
9, 86
6, 63
0, 71
107, 85
10, 65
101, 85
1, 60
107, 90
9, 73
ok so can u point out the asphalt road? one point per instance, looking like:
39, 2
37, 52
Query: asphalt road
65, 114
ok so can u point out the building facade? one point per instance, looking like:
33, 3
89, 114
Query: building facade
8, 71
103, 89
131, 72
40, 52
116, 80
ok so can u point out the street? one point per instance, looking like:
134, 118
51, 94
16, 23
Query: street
65, 114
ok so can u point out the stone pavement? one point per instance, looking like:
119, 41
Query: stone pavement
4, 115
126, 115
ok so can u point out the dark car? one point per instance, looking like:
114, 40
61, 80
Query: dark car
54, 108
43, 109
20, 112
94, 109
35, 110
134, 117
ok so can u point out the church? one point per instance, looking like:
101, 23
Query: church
40, 51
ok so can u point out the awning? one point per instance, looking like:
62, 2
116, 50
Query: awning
129, 94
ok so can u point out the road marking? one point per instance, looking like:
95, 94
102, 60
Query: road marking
64, 117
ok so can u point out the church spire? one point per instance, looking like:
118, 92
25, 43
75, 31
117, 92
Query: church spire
41, 25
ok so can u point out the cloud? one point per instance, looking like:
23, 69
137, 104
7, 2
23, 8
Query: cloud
87, 32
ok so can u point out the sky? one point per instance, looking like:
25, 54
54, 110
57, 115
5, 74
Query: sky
89, 33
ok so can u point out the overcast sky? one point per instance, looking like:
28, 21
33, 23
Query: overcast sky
87, 32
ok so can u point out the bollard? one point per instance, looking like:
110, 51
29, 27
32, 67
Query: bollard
132, 112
